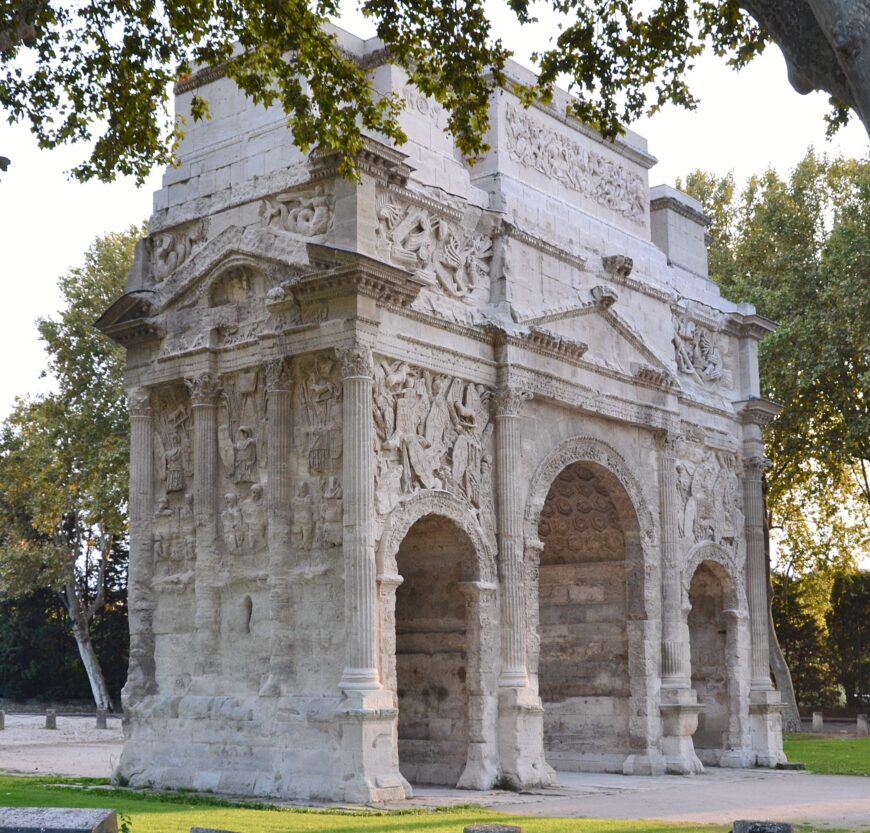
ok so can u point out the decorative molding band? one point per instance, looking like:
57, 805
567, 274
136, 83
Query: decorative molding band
578, 261
680, 208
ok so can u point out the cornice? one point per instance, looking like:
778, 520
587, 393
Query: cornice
578, 261
680, 208
757, 411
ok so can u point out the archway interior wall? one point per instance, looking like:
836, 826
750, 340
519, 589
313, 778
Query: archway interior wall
583, 666
433, 654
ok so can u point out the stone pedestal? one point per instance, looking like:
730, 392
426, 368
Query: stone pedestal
861, 727
521, 738
680, 710
765, 718
818, 722
370, 764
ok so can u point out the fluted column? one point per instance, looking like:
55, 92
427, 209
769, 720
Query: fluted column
360, 589
141, 673
279, 432
674, 673
756, 571
204, 391
508, 403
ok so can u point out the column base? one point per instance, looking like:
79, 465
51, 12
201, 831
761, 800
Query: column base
371, 759
680, 710
644, 763
481, 768
765, 721
737, 759
521, 739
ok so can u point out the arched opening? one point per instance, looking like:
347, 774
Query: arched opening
713, 651
433, 654
591, 542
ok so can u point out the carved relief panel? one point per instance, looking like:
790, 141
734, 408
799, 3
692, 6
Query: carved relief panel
244, 454
441, 247
432, 432
698, 353
308, 212
710, 500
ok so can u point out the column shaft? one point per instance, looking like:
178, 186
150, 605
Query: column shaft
360, 585
141, 675
204, 390
510, 538
673, 666
756, 573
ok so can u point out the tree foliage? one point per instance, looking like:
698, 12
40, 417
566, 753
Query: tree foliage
99, 70
64, 459
799, 249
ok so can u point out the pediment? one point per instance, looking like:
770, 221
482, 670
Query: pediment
236, 266
611, 343
129, 319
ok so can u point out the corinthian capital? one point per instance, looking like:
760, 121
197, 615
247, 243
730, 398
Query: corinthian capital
139, 402
356, 360
666, 442
278, 375
753, 467
204, 388
508, 402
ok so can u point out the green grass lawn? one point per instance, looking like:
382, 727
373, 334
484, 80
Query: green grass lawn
834, 756
177, 813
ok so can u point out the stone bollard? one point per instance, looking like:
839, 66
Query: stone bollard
749, 826
818, 722
860, 729
101, 718
50, 719
492, 828
2, 720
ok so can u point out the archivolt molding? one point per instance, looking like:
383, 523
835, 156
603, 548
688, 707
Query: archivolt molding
707, 551
587, 450
433, 502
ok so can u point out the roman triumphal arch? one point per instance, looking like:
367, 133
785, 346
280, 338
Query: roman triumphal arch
446, 475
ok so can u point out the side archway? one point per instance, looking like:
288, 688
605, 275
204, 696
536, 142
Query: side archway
438, 636
716, 619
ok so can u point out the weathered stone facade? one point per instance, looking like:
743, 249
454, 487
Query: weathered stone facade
448, 475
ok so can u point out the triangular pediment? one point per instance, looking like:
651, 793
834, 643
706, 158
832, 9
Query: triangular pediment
236, 265
610, 342
129, 320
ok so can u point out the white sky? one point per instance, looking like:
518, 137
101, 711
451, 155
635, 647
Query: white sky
746, 122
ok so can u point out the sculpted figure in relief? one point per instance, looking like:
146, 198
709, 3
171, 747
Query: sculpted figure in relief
254, 519
321, 399
697, 353
330, 527
591, 173
231, 521
172, 441
431, 434
171, 249
307, 213
437, 249
303, 515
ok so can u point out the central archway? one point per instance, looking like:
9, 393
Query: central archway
592, 590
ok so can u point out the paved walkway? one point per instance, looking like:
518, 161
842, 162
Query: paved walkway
719, 795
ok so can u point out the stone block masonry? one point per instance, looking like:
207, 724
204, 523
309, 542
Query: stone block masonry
448, 475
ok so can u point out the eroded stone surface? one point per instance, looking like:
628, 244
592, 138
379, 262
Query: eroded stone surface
447, 475
57, 820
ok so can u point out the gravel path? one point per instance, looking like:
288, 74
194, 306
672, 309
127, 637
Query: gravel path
76, 747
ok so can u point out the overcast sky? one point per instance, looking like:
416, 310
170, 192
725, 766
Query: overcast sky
746, 122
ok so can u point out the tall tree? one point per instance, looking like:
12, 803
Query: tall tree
797, 249
64, 458
99, 69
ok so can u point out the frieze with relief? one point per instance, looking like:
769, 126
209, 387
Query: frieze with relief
432, 432
173, 450
697, 352
173, 248
710, 504
440, 250
592, 174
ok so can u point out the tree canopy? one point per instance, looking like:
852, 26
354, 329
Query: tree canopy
99, 70
64, 460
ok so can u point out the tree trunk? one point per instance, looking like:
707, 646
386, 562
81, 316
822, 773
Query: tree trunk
791, 719
82, 634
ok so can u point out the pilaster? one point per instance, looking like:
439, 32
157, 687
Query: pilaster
521, 715
141, 675
204, 390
